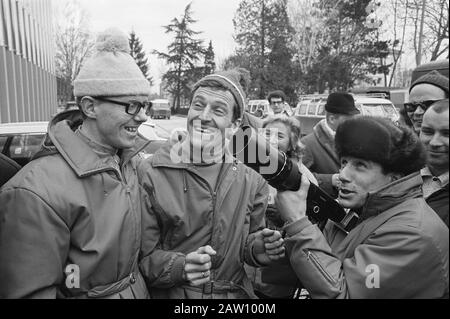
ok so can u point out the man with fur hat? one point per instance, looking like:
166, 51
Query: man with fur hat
434, 135
70, 220
399, 248
205, 210
319, 155
426, 90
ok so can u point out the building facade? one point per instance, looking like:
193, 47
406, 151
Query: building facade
27, 70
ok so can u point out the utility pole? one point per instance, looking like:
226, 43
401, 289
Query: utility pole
422, 21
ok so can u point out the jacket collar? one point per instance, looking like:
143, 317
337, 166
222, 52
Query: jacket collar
392, 194
325, 139
77, 153
163, 158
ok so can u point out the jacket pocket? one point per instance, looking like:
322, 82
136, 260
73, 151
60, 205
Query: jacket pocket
317, 264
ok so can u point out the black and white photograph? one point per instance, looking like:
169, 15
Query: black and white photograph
229, 158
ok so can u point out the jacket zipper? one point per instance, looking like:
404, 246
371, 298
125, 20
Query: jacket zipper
315, 261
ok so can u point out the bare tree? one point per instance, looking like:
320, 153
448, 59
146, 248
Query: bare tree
74, 43
400, 25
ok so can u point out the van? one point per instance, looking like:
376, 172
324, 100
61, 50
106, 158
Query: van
441, 66
311, 109
160, 109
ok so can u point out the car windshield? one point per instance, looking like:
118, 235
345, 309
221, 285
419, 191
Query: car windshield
25, 145
373, 109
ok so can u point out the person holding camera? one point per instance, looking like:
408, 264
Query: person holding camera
398, 249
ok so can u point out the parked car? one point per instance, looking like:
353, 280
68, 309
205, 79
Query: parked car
311, 109
160, 109
20, 141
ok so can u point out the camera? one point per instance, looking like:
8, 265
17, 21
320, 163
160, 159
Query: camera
283, 174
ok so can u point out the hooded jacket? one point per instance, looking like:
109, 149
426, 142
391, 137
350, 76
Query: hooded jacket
70, 223
400, 249
184, 213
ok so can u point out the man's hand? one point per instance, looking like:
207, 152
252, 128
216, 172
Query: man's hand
268, 246
292, 205
198, 265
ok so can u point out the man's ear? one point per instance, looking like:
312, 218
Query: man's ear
88, 107
233, 129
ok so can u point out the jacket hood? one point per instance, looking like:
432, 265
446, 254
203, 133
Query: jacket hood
61, 138
392, 194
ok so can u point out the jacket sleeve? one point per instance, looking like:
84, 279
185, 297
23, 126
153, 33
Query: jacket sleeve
372, 271
34, 243
160, 268
257, 220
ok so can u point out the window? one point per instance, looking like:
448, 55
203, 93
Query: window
312, 108
321, 110
25, 145
3, 140
303, 108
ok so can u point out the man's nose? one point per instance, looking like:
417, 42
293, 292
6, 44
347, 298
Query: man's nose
141, 116
436, 141
344, 175
205, 115
419, 111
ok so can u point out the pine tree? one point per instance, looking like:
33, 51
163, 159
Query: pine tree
262, 28
138, 54
210, 64
183, 56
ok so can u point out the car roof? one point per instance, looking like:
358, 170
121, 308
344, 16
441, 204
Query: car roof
371, 100
160, 101
24, 127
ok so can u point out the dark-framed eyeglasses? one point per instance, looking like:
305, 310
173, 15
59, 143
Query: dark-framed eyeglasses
424, 105
132, 107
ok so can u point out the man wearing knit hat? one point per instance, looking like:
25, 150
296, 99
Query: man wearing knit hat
205, 211
426, 90
319, 154
70, 220
399, 248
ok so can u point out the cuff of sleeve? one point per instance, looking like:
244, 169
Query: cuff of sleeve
296, 227
176, 273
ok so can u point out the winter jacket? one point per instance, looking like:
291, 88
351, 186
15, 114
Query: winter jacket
439, 202
320, 157
185, 213
399, 250
70, 224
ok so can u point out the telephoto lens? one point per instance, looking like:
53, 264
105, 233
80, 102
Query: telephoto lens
283, 174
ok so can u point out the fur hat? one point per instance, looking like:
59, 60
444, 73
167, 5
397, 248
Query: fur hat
396, 148
111, 71
341, 103
236, 81
434, 78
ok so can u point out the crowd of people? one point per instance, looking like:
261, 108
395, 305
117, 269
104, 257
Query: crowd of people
89, 217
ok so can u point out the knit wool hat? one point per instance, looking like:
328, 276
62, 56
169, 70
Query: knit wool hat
111, 71
434, 78
396, 148
236, 81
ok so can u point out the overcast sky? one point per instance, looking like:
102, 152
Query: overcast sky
147, 17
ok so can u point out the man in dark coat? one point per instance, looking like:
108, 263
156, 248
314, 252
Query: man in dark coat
320, 156
434, 134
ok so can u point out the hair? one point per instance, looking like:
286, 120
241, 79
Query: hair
296, 148
440, 106
213, 84
278, 93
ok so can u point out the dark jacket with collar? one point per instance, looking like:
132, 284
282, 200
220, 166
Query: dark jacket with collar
320, 157
439, 202
68, 207
400, 249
